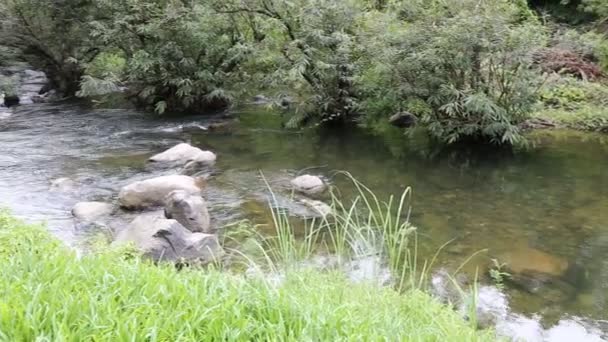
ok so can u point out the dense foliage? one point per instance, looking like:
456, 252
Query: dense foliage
465, 69
312, 45
179, 55
53, 36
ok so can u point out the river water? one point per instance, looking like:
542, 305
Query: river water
542, 210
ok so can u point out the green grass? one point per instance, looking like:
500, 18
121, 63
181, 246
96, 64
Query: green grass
586, 118
48, 293
576, 104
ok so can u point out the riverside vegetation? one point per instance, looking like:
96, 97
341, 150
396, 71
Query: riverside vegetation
463, 70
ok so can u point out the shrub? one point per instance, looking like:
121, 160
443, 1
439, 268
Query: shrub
308, 46
180, 56
51, 35
469, 61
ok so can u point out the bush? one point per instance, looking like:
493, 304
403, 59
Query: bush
308, 46
48, 293
180, 56
470, 62
53, 36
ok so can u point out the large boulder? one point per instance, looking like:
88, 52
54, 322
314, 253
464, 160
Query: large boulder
184, 153
91, 211
162, 239
189, 210
309, 185
152, 192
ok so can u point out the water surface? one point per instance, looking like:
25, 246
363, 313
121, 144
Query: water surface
544, 208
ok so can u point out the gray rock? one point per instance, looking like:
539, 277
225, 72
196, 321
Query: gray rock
184, 153
189, 210
91, 211
162, 239
152, 192
309, 185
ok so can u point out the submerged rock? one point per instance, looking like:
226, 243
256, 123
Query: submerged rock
153, 192
195, 167
163, 239
63, 184
532, 270
184, 153
530, 260
91, 211
309, 185
320, 209
189, 210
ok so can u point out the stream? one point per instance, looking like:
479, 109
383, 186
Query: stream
542, 210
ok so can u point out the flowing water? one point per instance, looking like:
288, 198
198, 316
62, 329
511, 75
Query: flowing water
542, 210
